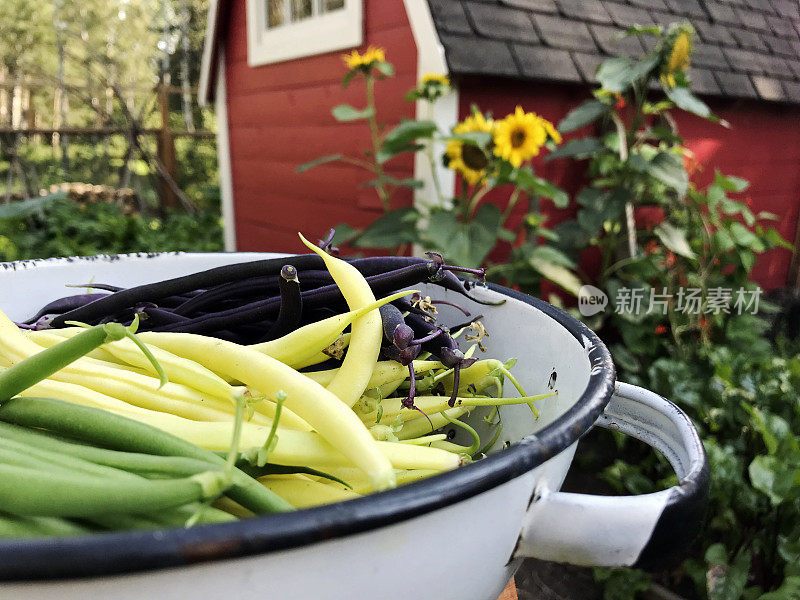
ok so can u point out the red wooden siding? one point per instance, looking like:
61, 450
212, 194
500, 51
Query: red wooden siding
761, 146
279, 117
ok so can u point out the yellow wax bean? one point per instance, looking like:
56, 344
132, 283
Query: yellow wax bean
359, 484
297, 447
178, 370
302, 492
318, 407
343, 342
366, 332
48, 338
150, 399
267, 407
298, 347
77, 394
385, 371
133, 388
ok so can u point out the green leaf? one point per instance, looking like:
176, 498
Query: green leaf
668, 169
536, 186
742, 235
319, 161
348, 77
345, 112
638, 163
385, 154
578, 148
625, 358
789, 590
343, 234
476, 138
723, 240
402, 138
724, 581
773, 477
776, 239
674, 239
23, 208
385, 68
586, 113
408, 131
553, 255
687, 101
600, 206
730, 183
414, 184
395, 228
614, 73
618, 74
558, 274
643, 29
465, 244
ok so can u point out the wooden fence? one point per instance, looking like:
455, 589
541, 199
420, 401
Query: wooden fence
20, 120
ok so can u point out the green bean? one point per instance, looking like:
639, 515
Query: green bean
121, 433
14, 453
134, 462
15, 526
29, 492
176, 517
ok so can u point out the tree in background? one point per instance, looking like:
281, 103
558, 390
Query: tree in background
95, 63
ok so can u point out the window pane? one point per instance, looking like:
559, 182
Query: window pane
301, 9
329, 5
274, 13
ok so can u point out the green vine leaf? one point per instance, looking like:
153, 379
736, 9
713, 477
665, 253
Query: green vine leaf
579, 149
684, 99
668, 169
674, 239
586, 113
395, 228
319, 161
345, 113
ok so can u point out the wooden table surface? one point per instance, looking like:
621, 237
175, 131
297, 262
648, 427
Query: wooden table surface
510, 593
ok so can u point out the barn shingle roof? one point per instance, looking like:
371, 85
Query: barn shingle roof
743, 48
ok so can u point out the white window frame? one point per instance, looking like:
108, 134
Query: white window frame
336, 30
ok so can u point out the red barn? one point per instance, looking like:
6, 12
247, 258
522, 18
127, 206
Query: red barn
273, 69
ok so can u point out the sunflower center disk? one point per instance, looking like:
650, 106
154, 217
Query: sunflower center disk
474, 157
517, 138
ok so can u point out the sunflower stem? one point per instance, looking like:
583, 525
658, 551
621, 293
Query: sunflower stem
380, 188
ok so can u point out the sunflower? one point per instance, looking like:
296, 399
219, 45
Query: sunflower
678, 57
468, 160
365, 61
519, 136
552, 132
434, 78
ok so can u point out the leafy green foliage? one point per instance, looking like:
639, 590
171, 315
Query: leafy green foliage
395, 228
465, 243
63, 228
742, 391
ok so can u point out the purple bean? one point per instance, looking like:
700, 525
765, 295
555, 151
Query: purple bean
291, 309
63, 305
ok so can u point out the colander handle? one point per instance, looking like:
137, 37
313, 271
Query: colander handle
613, 531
